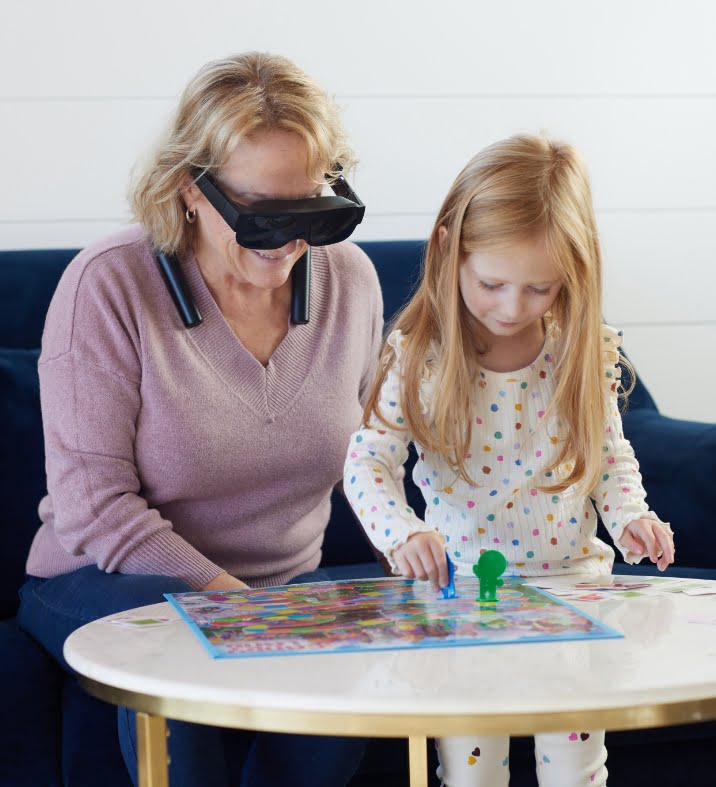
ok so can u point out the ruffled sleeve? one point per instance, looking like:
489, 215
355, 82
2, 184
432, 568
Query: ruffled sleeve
373, 468
619, 495
611, 342
427, 381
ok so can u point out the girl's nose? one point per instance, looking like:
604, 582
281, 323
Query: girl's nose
513, 306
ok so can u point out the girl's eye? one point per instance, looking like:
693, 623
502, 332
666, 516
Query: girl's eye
486, 286
537, 291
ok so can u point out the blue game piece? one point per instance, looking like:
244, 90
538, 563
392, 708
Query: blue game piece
449, 591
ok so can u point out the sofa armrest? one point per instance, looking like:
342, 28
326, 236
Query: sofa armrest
677, 459
22, 468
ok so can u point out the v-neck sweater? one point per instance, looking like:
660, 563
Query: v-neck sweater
174, 451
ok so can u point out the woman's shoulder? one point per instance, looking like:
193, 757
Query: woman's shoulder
100, 287
112, 258
350, 262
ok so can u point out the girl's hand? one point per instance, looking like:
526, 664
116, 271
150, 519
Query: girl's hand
422, 556
647, 536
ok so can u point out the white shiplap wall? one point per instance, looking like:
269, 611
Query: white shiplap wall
85, 87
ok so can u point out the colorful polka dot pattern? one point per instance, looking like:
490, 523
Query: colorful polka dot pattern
513, 445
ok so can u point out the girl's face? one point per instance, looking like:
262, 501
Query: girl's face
509, 288
267, 165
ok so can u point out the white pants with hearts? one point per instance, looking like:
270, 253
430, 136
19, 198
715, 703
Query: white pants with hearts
564, 759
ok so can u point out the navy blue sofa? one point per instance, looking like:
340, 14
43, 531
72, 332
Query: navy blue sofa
39, 747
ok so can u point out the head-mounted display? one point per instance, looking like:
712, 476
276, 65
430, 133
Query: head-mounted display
270, 224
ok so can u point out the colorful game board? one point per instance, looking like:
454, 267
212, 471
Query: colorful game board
382, 614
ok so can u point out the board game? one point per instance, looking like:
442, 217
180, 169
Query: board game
376, 614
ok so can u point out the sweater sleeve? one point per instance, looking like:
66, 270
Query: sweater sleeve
619, 495
373, 467
90, 382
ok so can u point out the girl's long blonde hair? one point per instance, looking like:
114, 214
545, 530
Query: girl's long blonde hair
227, 100
513, 190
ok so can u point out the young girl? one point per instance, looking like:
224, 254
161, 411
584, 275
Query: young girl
501, 373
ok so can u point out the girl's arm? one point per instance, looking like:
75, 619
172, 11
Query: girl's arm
619, 495
372, 477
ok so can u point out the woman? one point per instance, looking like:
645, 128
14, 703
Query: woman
204, 457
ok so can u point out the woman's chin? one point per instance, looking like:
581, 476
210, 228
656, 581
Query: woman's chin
263, 271
271, 279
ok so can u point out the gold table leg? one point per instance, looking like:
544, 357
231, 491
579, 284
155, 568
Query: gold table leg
418, 756
152, 760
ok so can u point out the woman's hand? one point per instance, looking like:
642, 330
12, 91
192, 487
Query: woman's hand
647, 536
225, 582
422, 556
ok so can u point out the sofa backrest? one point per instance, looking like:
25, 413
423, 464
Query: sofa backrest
27, 282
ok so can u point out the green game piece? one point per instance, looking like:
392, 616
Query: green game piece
489, 567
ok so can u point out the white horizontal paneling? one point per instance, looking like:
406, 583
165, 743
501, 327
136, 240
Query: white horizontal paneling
643, 154
85, 87
76, 234
76, 157
676, 365
55, 234
140, 48
659, 267
394, 226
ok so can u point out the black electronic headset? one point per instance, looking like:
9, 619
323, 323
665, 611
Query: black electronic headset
270, 224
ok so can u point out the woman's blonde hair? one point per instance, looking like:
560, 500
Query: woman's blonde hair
226, 101
513, 190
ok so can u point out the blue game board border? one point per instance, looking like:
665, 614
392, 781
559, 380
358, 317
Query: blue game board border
603, 630
196, 631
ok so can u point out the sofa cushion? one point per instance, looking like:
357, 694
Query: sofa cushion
344, 541
352, 571
22, 467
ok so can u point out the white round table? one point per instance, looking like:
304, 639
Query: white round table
662, 672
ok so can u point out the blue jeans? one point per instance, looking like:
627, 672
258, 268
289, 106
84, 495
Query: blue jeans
201, 756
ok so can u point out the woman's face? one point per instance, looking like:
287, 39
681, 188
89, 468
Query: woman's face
267, 165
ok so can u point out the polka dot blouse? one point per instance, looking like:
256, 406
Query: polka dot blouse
513, 444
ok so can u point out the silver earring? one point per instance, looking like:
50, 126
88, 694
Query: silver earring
190, 215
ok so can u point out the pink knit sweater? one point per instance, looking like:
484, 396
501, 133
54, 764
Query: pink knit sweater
174, 451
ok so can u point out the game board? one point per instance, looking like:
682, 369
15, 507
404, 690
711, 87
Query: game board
377, 614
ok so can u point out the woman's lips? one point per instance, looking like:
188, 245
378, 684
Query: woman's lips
270, 257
